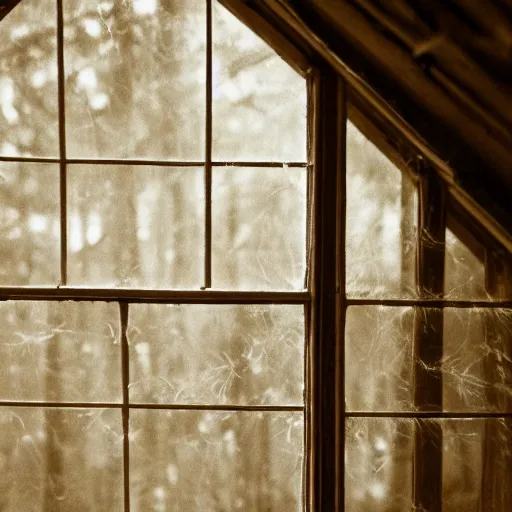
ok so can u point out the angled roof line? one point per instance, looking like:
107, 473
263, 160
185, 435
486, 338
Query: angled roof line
6, 6
473, 158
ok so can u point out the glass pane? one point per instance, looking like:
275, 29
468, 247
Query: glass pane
29, 224
476, 463
259, 102
380, 223
464, 272
476, 364
378, 464
28, 80
378, 358
61, 460
230, 354
135, 78
59, 351
136, 226
259, 228
204, 460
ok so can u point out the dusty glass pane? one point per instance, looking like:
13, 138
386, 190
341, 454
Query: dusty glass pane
476, 460
28, 80
380, 223
378, 464
205, 460
59, 351
137, 226
477, 359
464, 271
259, 102
378, 358
259, 228
60, 460
216, 354
29, 224
476, 364
135, 78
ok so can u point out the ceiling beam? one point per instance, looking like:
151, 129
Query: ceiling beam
406, 73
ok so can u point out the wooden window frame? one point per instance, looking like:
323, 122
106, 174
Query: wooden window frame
125, 297
334, 94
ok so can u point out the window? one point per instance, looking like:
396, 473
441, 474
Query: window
254, 308
154, 205
427, 337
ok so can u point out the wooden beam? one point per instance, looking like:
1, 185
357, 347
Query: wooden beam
406, 73
327, 292
478, 111
492, 18
453, 66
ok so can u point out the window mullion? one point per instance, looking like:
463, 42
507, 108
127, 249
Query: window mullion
62, 143
428, 342
328, 305
155, 295
341, 298
125, 410
208, 152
